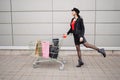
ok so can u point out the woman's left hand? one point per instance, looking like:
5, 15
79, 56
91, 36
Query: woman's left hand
81, 39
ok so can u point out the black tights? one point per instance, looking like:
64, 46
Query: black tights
87, 45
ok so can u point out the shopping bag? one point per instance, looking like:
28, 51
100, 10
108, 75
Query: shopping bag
38, 50
45, 49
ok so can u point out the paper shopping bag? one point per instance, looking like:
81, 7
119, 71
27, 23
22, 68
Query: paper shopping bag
45, 49
38, 50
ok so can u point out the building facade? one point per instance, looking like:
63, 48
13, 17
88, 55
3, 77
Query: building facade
23, 21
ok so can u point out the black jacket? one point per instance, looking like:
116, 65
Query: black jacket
79, 27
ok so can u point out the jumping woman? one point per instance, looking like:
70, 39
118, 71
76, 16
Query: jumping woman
78, 30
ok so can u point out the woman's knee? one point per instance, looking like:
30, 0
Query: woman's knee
86, 45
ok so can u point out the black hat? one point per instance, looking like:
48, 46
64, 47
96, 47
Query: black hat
76, 10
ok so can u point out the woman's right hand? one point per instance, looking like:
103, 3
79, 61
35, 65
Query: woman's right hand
81, 39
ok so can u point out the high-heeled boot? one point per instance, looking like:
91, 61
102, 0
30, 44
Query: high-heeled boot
102, 51
80, 63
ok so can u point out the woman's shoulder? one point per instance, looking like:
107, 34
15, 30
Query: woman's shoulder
80, 18
72, 18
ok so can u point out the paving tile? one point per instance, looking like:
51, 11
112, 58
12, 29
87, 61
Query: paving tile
19, 67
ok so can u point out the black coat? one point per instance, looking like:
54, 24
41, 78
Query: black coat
79, 27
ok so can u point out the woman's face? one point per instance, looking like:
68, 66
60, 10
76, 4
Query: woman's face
73, 13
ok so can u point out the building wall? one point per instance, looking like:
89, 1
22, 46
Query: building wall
23, 21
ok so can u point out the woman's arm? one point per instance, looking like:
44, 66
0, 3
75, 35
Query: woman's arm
82, 27
82, 30
70, 30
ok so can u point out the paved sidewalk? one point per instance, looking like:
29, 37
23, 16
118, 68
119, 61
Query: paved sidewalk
17, 66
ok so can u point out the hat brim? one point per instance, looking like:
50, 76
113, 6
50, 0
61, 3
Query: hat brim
72, 10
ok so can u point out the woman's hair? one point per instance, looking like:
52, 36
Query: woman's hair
78, 15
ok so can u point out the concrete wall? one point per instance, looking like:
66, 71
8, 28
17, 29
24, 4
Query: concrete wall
23, 21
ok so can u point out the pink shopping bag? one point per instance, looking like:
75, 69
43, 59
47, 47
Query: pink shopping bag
45, 49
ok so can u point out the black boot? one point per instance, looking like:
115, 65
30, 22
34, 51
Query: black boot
102, 51
80, 63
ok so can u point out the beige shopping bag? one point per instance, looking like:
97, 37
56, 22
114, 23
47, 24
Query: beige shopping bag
38, 50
